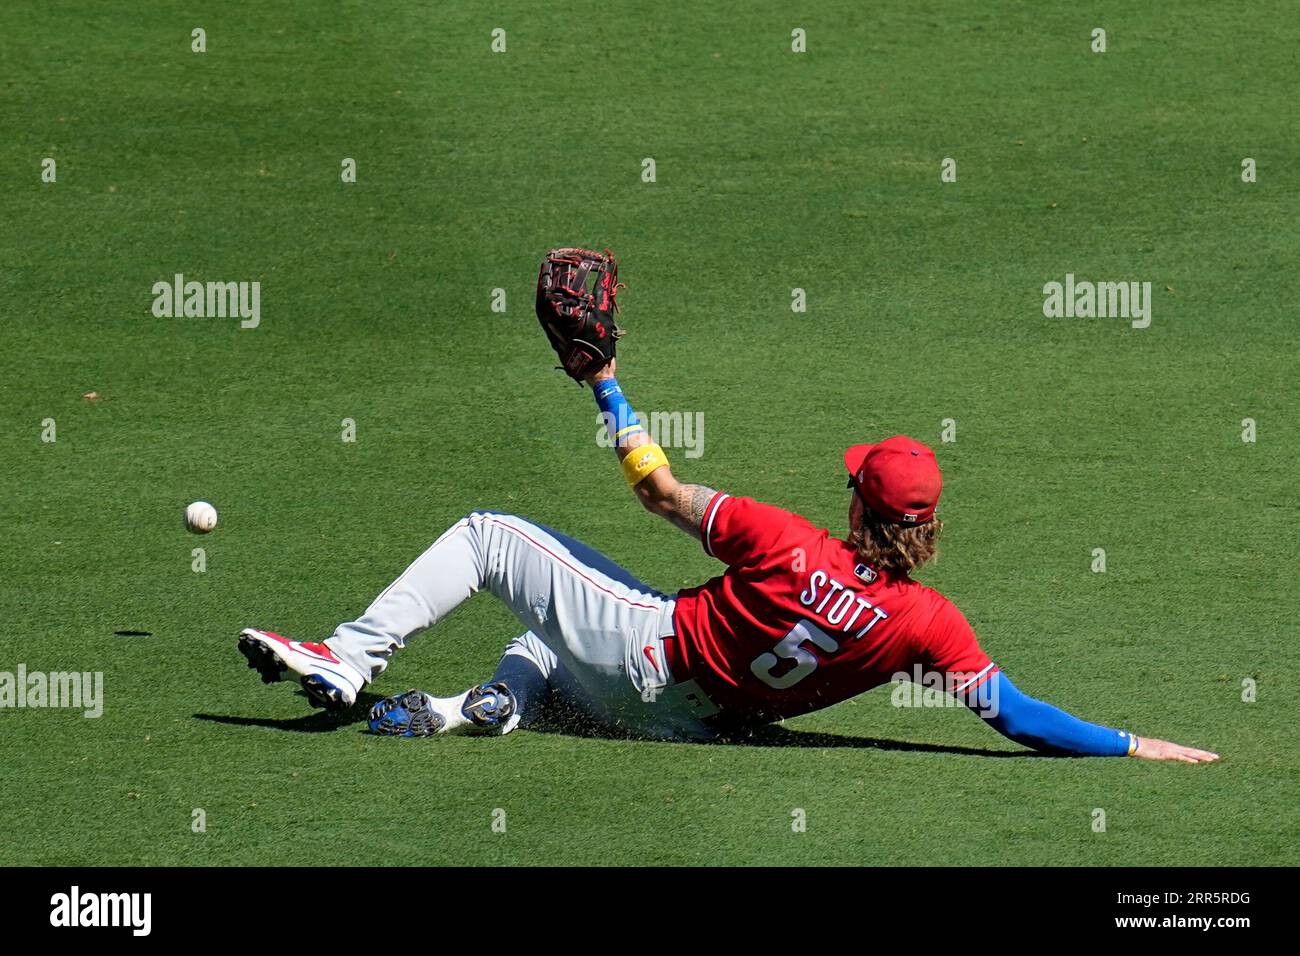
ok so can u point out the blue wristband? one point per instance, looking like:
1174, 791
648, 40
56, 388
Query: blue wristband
620, 419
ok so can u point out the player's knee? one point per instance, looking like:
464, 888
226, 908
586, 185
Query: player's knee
534, 651
479, 517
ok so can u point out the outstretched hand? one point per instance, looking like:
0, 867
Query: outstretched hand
1149, 748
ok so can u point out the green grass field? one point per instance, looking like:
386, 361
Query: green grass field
774, 170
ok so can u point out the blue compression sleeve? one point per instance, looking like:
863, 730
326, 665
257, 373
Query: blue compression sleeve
1041, 726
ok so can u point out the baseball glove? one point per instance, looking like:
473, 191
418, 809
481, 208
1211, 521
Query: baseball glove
577, 298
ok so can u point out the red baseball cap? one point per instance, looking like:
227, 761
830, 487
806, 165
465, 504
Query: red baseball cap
898, 479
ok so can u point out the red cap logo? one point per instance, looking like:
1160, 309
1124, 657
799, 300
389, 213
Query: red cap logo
898, 479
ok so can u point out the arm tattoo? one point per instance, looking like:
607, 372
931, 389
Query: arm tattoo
688, 506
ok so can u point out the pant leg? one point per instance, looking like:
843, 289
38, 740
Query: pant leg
429, 589
593, 616
544, 689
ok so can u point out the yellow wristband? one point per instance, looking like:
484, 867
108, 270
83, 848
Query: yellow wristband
1132, 744
618, 435
641, 461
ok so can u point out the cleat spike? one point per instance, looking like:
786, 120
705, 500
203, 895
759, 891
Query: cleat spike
406, 715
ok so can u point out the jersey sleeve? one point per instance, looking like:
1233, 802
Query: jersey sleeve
742, 531
951, 648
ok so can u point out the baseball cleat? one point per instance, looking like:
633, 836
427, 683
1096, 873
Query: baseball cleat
491, 708
407, 715
486, 709
329, 682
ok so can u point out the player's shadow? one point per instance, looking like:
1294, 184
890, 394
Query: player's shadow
317, 722
558, 720
777, 736
774, 735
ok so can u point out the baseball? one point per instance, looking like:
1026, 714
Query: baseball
200, 517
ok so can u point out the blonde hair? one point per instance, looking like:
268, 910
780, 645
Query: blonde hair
897, 549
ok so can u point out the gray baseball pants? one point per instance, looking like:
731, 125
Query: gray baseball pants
593, 630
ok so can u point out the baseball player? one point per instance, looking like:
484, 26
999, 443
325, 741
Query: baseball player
799, 620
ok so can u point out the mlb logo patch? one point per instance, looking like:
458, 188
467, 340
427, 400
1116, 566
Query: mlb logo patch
866, 573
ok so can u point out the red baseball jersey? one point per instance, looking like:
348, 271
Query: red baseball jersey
798, 622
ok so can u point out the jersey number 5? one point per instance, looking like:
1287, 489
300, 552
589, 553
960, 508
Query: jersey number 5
770, 667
